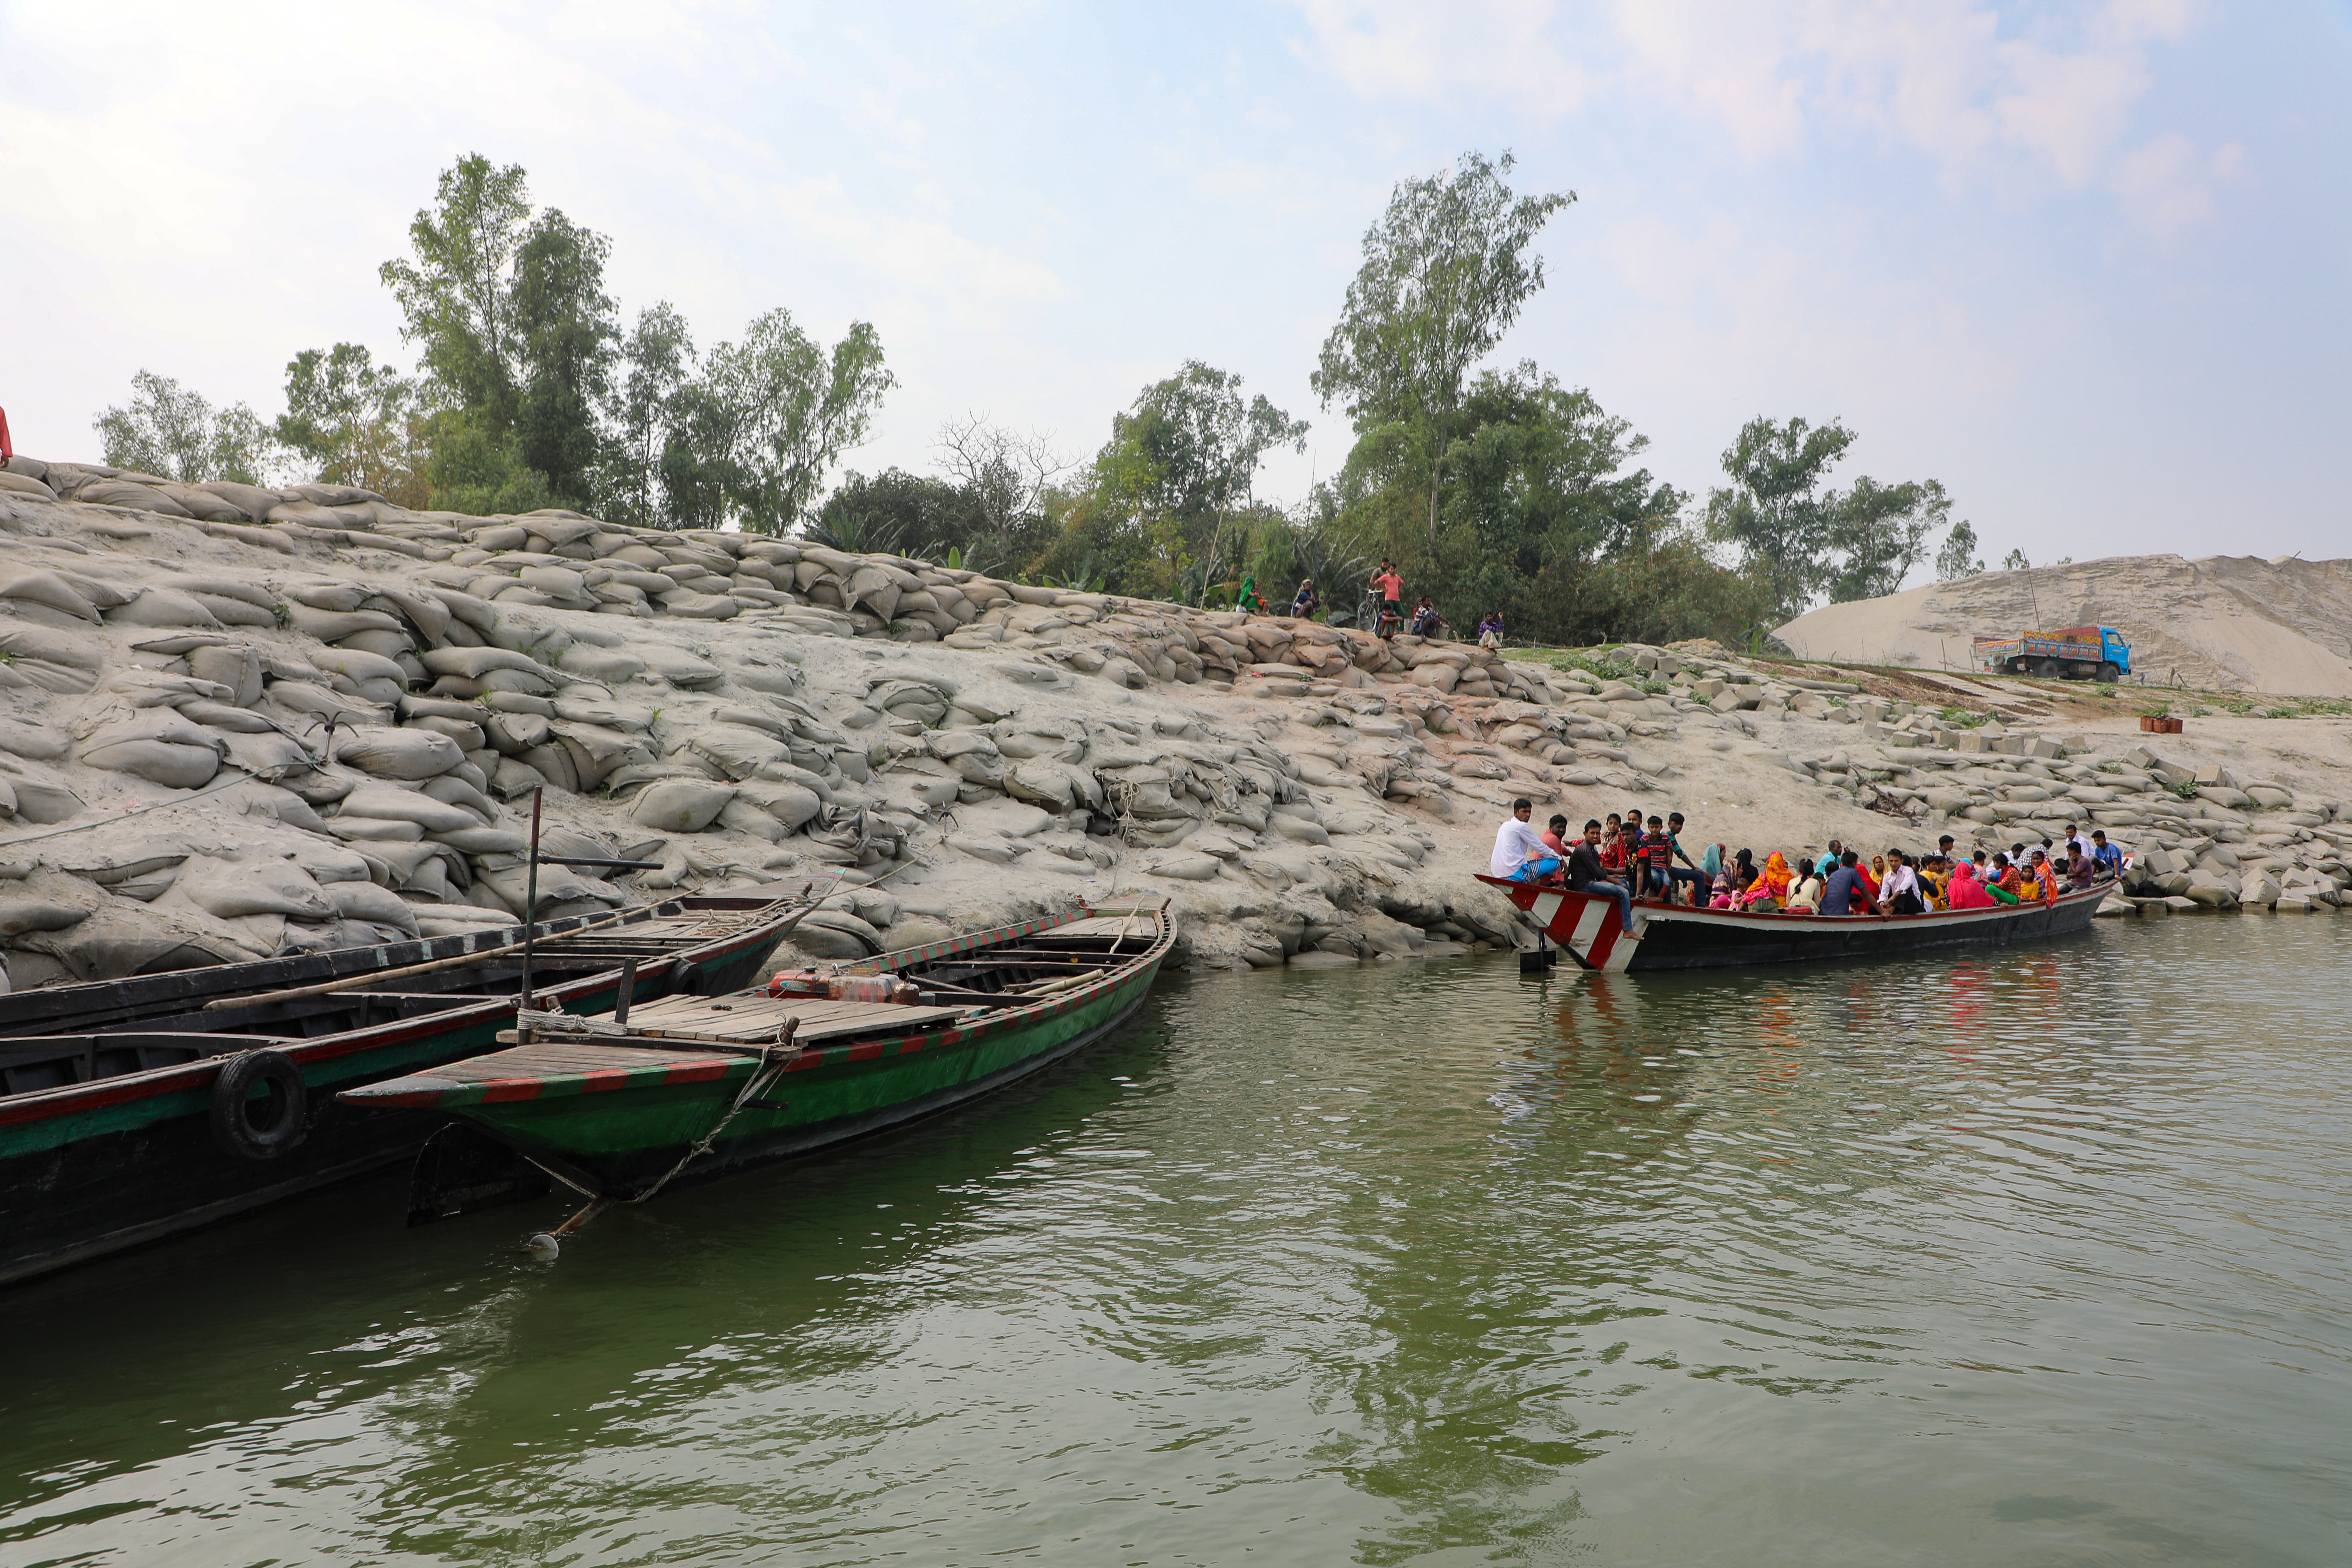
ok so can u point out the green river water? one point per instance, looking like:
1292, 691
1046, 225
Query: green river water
2018, 1258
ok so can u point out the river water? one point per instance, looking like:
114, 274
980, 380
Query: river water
2014, 1259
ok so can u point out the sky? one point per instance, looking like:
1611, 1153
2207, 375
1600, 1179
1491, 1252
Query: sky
2086, 264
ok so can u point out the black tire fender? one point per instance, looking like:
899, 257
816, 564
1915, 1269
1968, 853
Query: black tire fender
232, 1120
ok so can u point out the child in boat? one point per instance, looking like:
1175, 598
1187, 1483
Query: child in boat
1613, 850
1807, 897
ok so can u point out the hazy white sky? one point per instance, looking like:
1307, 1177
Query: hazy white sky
2087, 264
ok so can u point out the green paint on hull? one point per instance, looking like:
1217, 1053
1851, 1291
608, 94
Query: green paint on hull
592, 1121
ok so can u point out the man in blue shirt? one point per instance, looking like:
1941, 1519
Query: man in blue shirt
2107, 860
1837, 899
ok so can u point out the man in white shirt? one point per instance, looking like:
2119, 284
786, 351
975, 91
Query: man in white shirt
1517, 843
1899, 894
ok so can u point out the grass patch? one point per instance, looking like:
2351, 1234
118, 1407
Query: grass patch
1963, 718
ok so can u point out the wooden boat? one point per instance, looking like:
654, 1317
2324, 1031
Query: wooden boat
1588, 926
137, 1109
693, 1088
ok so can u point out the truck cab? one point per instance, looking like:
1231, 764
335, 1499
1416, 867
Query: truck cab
2114, 650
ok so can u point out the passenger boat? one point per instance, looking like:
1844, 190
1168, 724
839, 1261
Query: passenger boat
693, 1088
1588, 926
137, 1109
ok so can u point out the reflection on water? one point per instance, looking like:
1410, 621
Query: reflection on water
2021, 1258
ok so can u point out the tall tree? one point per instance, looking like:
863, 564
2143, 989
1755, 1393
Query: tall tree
1192, 447
457, 294
349, 419
1800, 538
565, 343
781, 409
174, 433
657, 364
1446, 270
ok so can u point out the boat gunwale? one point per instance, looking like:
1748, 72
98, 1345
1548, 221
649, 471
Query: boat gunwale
451, 1094
100, 1094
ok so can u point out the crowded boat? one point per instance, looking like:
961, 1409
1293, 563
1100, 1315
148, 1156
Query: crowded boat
1635, 858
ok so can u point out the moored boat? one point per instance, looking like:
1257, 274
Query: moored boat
694, 1089
1588, 926
137, 1109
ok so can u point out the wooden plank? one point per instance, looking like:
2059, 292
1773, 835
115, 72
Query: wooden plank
756, 1019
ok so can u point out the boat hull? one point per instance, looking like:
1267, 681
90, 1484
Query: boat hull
1587, 928
118, 1162
619, 1122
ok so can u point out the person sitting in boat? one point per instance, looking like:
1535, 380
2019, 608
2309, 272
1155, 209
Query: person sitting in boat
1966, 893
1900, 893
1843, 886
1874, 872
1743, 875
1806, 897
2081, 874
1657, 860
1556, 839
1719, 891
2007, 882
1519, 853
1771, 889
2107, 860
1612, 849
1584, 874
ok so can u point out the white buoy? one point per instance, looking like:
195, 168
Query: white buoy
544, 1246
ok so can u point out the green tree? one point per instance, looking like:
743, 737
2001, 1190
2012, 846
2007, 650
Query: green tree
1799, 537
776, 409
1189, 451
457, 294
173, 433
1959, 558
2015, 561
1445, 272
657, 364
349, 419
515, 332
899, 513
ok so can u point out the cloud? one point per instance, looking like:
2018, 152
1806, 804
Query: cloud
2167, 186
2048, 107
1443, 54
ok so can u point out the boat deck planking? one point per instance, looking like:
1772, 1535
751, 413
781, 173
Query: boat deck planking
755, 1019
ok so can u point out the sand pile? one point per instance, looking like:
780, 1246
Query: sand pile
236, 722
2222, 621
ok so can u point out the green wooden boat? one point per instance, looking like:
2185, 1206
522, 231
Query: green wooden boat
692, 1088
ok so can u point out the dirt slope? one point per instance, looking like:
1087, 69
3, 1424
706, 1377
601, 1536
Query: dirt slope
2225, 622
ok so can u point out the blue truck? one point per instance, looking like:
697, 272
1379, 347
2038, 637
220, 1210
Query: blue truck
2078, 653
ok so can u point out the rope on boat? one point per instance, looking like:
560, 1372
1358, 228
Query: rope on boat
771, 1068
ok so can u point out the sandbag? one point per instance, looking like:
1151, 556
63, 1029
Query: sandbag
680, 805
121, 939
27, 913
316, 701
252, 501
42, 796
241, 589
230, 889
269, 753
427, 614
221, 716
393, 803
399, 754
595, 751
159, 688
469, 734
366, 901
251, 797
451, 789
331, 625
554, 764
163, 607
735, 750
790, 804
359, 665
155, 745
47, 588
481, 840
122, 492
238, 668
474, 663
24, 741
375, 829
514, 778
